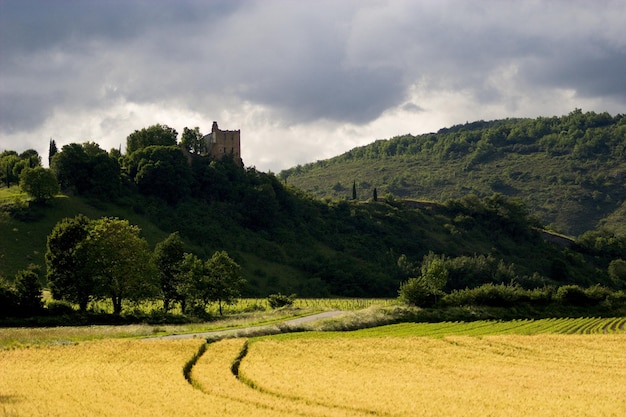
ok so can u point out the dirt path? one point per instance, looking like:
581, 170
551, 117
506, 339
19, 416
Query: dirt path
247, 331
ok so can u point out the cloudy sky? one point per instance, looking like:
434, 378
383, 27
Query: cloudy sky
303, 79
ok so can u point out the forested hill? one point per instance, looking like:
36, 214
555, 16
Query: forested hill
570, 171
287, 241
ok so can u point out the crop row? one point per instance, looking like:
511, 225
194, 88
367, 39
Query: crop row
587, 325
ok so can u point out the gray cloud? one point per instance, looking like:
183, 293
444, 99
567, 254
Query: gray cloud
343, 62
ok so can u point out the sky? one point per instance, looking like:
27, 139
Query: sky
304, 80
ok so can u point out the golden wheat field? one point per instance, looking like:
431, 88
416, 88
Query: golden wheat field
320, 374
505, 375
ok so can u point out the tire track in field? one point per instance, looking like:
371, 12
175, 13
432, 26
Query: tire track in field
265, 400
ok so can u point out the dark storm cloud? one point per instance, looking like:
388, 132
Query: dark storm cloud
29, 25
598, 72
74, 53
346, 61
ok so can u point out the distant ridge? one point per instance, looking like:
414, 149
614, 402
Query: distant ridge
570, 171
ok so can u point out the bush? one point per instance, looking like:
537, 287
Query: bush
418, 293
542, 296
597, 294
487, 295
280, 300
572, 295
59, 308
8, 299
28, 290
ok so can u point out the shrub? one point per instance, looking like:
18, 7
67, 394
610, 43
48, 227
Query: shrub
542, 296
491, 295
59, 308
573, 295
280, 300
28, 292
417, 292
597, 294
8, 298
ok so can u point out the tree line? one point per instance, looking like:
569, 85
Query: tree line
107, 258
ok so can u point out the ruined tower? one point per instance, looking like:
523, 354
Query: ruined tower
220, 143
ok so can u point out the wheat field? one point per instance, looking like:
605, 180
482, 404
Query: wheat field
446, 369
502, 375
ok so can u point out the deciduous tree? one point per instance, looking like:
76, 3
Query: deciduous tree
159, 135
120, 261
8, 298
161, 171
193, 286
39, 183
68, 274
28, 291
192, 140
87, 169
226, 279
168, 258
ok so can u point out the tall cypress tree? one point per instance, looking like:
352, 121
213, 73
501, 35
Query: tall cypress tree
354, 190
52, 150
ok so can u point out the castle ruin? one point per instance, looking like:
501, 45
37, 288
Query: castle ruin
221, 143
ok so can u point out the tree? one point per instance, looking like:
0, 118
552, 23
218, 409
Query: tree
354, 190
68, 274
39, 183
425, 290
375, 194
8, 298
31, 158
159, 135
415, 292
28, 290
434, 272
168, 257
87, 169
120, 261
162, 171
226, 279
8, 159
193, 283
52, 150
617, 272
192, 140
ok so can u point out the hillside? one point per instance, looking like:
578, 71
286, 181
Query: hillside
291, 242
570, 171
336, 248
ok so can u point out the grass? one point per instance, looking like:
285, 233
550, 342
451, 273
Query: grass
245, 313
13, 338
24, 242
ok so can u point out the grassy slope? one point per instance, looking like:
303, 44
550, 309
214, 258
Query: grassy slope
559, 202
24, 242
355, 254
569, 191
